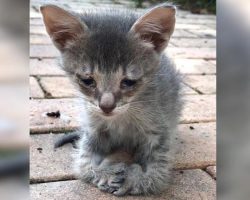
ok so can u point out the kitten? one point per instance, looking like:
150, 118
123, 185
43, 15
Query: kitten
130, 89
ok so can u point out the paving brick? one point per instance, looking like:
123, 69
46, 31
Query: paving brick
204, 84
195, 145
194, 66
41, 123
35, 15
43, 51
194, 42
199, 108
202, 53
40, 30
213, 26
188, 184
212, 171
35, 89
204, 32
188, 26
40, 39
183, 33
199, 16
196, 21
213, 62
58, 86
186, 90
36, 22
45, 67
47, 163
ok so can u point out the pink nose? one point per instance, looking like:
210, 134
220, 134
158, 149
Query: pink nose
107, 103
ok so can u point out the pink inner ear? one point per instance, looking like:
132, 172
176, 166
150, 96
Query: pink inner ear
61, 25
156, 26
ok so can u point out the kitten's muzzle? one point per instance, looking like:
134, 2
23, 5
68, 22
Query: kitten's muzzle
107, 103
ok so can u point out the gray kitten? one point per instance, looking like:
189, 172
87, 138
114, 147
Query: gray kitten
130, 94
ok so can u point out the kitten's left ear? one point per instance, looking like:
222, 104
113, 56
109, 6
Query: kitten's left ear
156, 27
63, 27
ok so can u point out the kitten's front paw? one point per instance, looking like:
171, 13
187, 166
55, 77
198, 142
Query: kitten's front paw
131, 184
111, 179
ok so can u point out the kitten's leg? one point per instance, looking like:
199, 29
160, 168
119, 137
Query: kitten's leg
149, 179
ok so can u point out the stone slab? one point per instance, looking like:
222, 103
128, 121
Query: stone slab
51, 86
47, 163
45, 67
35, 89
195, 66
188, 185
203, 84
212, 171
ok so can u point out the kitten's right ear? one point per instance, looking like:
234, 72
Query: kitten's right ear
63, 27
156, 26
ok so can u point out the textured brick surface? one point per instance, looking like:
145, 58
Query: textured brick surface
40, 39
43, 51
205, 33
199, 108
183, 33
40, 122
203, 84
35, 89
58, 86
47, 163
195, 145
202, 53
195, 42
189, 184
40, 30
45, 67
187, 90
195, 66
212, 171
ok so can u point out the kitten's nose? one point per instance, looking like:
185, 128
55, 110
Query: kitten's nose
107, 103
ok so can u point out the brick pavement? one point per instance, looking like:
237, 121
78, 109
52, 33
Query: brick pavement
193, 47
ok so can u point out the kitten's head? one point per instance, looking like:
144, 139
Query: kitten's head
111, 57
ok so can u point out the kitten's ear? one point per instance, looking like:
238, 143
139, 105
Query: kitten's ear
156, 27
63, 27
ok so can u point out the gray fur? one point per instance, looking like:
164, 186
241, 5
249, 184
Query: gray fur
145, 129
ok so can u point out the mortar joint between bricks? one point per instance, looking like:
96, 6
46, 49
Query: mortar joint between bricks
46, 93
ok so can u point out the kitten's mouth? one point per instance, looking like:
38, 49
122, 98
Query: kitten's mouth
108, 114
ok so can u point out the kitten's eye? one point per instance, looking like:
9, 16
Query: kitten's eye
127, 83
89, 82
